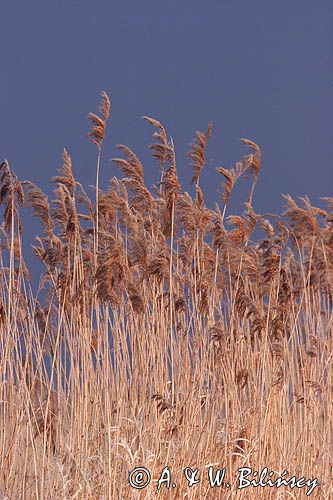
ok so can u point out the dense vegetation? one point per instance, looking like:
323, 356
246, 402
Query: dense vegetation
168, 334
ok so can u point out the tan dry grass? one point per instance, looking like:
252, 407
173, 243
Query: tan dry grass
166, 338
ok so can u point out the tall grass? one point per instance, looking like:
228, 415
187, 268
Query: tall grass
169, 334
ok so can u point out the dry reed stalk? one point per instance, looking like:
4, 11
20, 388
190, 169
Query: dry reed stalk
43, 410
97, 135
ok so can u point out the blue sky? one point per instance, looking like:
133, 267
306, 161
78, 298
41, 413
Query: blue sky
260, 70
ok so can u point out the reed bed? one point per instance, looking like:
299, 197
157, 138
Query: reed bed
164, 333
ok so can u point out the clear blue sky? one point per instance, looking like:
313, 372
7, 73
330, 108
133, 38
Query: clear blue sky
257, 69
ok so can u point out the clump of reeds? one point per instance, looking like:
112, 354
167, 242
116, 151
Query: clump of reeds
163, 332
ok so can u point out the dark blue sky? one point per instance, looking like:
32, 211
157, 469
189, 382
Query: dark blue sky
257, 69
